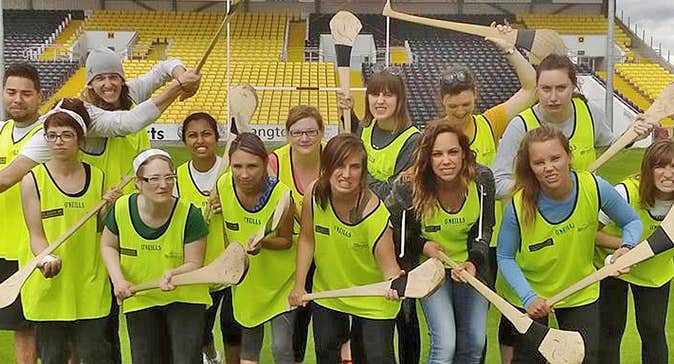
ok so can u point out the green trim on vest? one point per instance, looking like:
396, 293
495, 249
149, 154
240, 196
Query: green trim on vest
188, 191
450, 230
14, 244
654, 272
555, 256
381, 163
144, 260
581, 140
263, 294
344, 257
81, 290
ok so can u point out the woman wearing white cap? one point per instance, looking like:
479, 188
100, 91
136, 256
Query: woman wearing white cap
150, 234
113, 121
71, 299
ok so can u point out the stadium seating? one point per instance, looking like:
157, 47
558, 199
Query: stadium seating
25, 29
434, 50
648, 78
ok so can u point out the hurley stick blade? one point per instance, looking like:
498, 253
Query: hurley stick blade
661, 108
344, 28
420, 282
274, 220
557, 346
229, 268
11, 287
539, 43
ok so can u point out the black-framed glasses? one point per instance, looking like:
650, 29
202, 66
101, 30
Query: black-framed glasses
66, 136
157, 180
392, 69
311, 133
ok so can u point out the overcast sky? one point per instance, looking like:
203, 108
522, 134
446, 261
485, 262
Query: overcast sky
656, 15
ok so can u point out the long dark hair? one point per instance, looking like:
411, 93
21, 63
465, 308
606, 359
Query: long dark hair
125, 102
385, 81
659, 154
420, 174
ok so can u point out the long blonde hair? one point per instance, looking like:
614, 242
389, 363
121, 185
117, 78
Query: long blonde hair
420, 174
659, 154
525, 179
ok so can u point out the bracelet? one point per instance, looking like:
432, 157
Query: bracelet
178, 80
509, 51
627, 246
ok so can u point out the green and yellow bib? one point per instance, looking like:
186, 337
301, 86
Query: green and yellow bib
285, 174
14, 243
381, 163
81, 290
188, 191
581, 140
450, 230
144, 260
555, 256
483, 143
344, 257
654, 272
264, 291
117, 157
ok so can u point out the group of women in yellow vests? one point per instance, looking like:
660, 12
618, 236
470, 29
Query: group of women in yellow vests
354, 197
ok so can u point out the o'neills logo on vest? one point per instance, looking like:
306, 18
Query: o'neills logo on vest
151, 247
455, 220
52, 213
232, 225
564, 229
73, 204
3, 160
252, 220
340, 230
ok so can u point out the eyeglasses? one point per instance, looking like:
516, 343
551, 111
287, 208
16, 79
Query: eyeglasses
381, 67
65, 136
311, 133
156, 181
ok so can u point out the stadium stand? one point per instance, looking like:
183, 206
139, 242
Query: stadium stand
26, 29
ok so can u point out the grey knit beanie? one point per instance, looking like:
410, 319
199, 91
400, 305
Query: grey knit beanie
103, 60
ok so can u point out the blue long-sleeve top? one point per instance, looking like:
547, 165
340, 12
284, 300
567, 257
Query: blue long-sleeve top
509, 238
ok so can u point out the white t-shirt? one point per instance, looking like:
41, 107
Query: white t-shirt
204, 180
115, 123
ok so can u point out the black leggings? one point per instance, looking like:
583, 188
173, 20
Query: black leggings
650, 308
409, 340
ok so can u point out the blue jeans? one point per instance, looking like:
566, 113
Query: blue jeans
456, 315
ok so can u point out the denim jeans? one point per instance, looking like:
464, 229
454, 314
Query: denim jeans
456, 315
282, 327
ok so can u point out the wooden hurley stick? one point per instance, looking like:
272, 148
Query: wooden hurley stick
11, 287
556, 346
539, 42
272, 224
344, 28
658, 242
229, 268
420, 282
661, 108
242, 105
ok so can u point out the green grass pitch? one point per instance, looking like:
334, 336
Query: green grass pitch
624, 164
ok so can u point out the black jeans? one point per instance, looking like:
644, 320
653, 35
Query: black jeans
88, 337
584, 319
167, 334
409, 340
231, 330
332, 327
112, 330
650, 308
